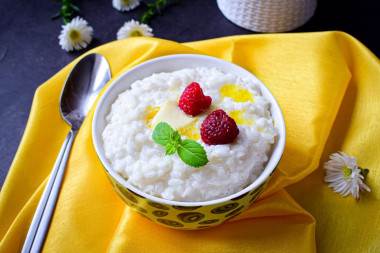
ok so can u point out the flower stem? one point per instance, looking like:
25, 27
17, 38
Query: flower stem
364, 172
157, 7
67, 11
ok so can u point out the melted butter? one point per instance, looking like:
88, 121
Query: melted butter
237, 93
239, 118
191, 131
260, 129
150, 114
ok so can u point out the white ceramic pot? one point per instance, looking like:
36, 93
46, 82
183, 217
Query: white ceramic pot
268, 15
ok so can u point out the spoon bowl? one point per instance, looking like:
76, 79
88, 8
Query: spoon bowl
82, 87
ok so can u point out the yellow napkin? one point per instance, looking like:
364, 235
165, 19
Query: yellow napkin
327, 84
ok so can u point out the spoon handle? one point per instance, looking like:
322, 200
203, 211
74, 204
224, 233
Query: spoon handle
41, 220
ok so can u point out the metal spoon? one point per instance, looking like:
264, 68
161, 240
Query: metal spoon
82, 87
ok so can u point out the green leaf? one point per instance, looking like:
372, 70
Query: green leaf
67, 15
156, 7
192, 153
66, 20
170, 149
74, 7
175, 137
67, 11
64, 8
58, 15
364, 172
162, 133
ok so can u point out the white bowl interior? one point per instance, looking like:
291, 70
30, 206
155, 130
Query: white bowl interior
172, 63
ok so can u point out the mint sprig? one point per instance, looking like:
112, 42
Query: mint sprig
190, 151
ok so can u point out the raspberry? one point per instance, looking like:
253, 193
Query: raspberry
193, 101
219, 128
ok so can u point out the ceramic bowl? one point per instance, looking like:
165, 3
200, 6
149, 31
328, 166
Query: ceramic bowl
175, 214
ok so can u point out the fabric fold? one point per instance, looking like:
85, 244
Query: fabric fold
274, 218
326, 84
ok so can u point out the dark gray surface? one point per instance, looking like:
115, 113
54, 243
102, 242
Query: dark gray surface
30, 54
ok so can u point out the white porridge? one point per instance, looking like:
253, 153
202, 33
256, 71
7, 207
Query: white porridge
129, 146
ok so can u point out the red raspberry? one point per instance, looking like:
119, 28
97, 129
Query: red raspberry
219, 128
193, 101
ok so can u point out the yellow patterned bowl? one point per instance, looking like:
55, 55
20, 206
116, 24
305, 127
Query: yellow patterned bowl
175, 214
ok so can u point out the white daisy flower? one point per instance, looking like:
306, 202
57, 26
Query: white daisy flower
344, 175
134, 29
125, 5
75, 35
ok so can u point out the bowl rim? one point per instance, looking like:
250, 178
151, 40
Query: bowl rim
274, 159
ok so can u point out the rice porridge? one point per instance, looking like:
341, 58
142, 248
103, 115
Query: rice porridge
129, 146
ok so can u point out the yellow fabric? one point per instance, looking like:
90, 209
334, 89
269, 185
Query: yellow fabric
328, 86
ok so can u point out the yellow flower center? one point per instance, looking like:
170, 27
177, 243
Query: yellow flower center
347, 172
74, 35
135, 33
126, 1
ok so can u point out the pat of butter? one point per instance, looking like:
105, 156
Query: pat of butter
171, 114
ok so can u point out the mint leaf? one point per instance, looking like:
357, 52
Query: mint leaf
192, 153
175, 137
162, 133
170, 149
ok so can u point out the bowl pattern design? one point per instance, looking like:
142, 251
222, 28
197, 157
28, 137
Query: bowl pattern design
187, 217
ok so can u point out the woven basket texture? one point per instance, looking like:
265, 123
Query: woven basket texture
268, 15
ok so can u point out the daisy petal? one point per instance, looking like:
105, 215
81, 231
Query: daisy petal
343, 175
125, 5
134, 29
75, 35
